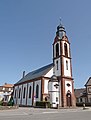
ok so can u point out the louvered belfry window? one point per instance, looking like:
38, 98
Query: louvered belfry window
65, 50
57, 50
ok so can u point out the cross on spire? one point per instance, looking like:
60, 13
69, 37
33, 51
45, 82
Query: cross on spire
60, 21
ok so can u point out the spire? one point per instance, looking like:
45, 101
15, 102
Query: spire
60, 30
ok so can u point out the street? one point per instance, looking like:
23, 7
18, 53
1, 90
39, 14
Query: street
45, 114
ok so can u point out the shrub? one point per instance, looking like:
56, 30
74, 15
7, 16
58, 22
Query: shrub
1, 103
11, 102
43, 104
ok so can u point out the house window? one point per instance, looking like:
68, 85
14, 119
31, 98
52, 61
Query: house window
24, 92
57, 50
37, 91
65, 50
57, 64
77, 99
89, 89
30, 92
66, 65
19, 92
81, 100
90, 100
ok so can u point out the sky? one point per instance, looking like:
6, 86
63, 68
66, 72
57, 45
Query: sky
27, 32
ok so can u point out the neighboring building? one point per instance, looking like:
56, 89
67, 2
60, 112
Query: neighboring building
88, 90
34, 86
84, 94
6, 91
80, 95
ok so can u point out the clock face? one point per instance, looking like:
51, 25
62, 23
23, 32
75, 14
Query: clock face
68, 84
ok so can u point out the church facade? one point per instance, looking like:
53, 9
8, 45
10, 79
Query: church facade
53, 82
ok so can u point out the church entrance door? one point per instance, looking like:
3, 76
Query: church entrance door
68, 99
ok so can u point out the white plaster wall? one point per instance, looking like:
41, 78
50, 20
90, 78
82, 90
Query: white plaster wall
67, 48
49, 74
24, 99
53, 93
35, 84
57, 72
67, 72
52, 86
46, 86
55, 49
29, 100
68, 88
53, 96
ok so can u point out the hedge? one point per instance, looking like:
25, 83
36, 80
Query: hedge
81, 104
43, 104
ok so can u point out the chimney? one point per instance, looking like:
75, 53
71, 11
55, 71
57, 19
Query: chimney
23, 74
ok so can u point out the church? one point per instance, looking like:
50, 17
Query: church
53, 82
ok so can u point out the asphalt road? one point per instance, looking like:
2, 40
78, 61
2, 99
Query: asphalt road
45, 114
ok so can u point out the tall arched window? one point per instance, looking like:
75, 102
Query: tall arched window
66, 65
65, 50
19, 92
15, 93
24, 92
57, 64
57, 50
37, 91
30, 92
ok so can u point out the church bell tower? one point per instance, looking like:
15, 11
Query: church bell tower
63, 67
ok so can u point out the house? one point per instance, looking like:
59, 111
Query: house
41, 85
6, 91
84, 94
88, 90
80, 95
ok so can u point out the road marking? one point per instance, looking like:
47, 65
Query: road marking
50, 112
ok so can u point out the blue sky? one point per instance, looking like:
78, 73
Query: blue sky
27, 31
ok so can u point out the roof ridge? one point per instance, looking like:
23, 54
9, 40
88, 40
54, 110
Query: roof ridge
36, 73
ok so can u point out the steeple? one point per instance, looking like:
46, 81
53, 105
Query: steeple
63, 67
60, 30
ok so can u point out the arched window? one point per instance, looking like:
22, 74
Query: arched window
37, 91
15, 93
65, 50
57, 50
57, 64
66, 65
19, 92
24, 92
30, 92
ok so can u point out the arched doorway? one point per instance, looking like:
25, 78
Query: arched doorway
68, 99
